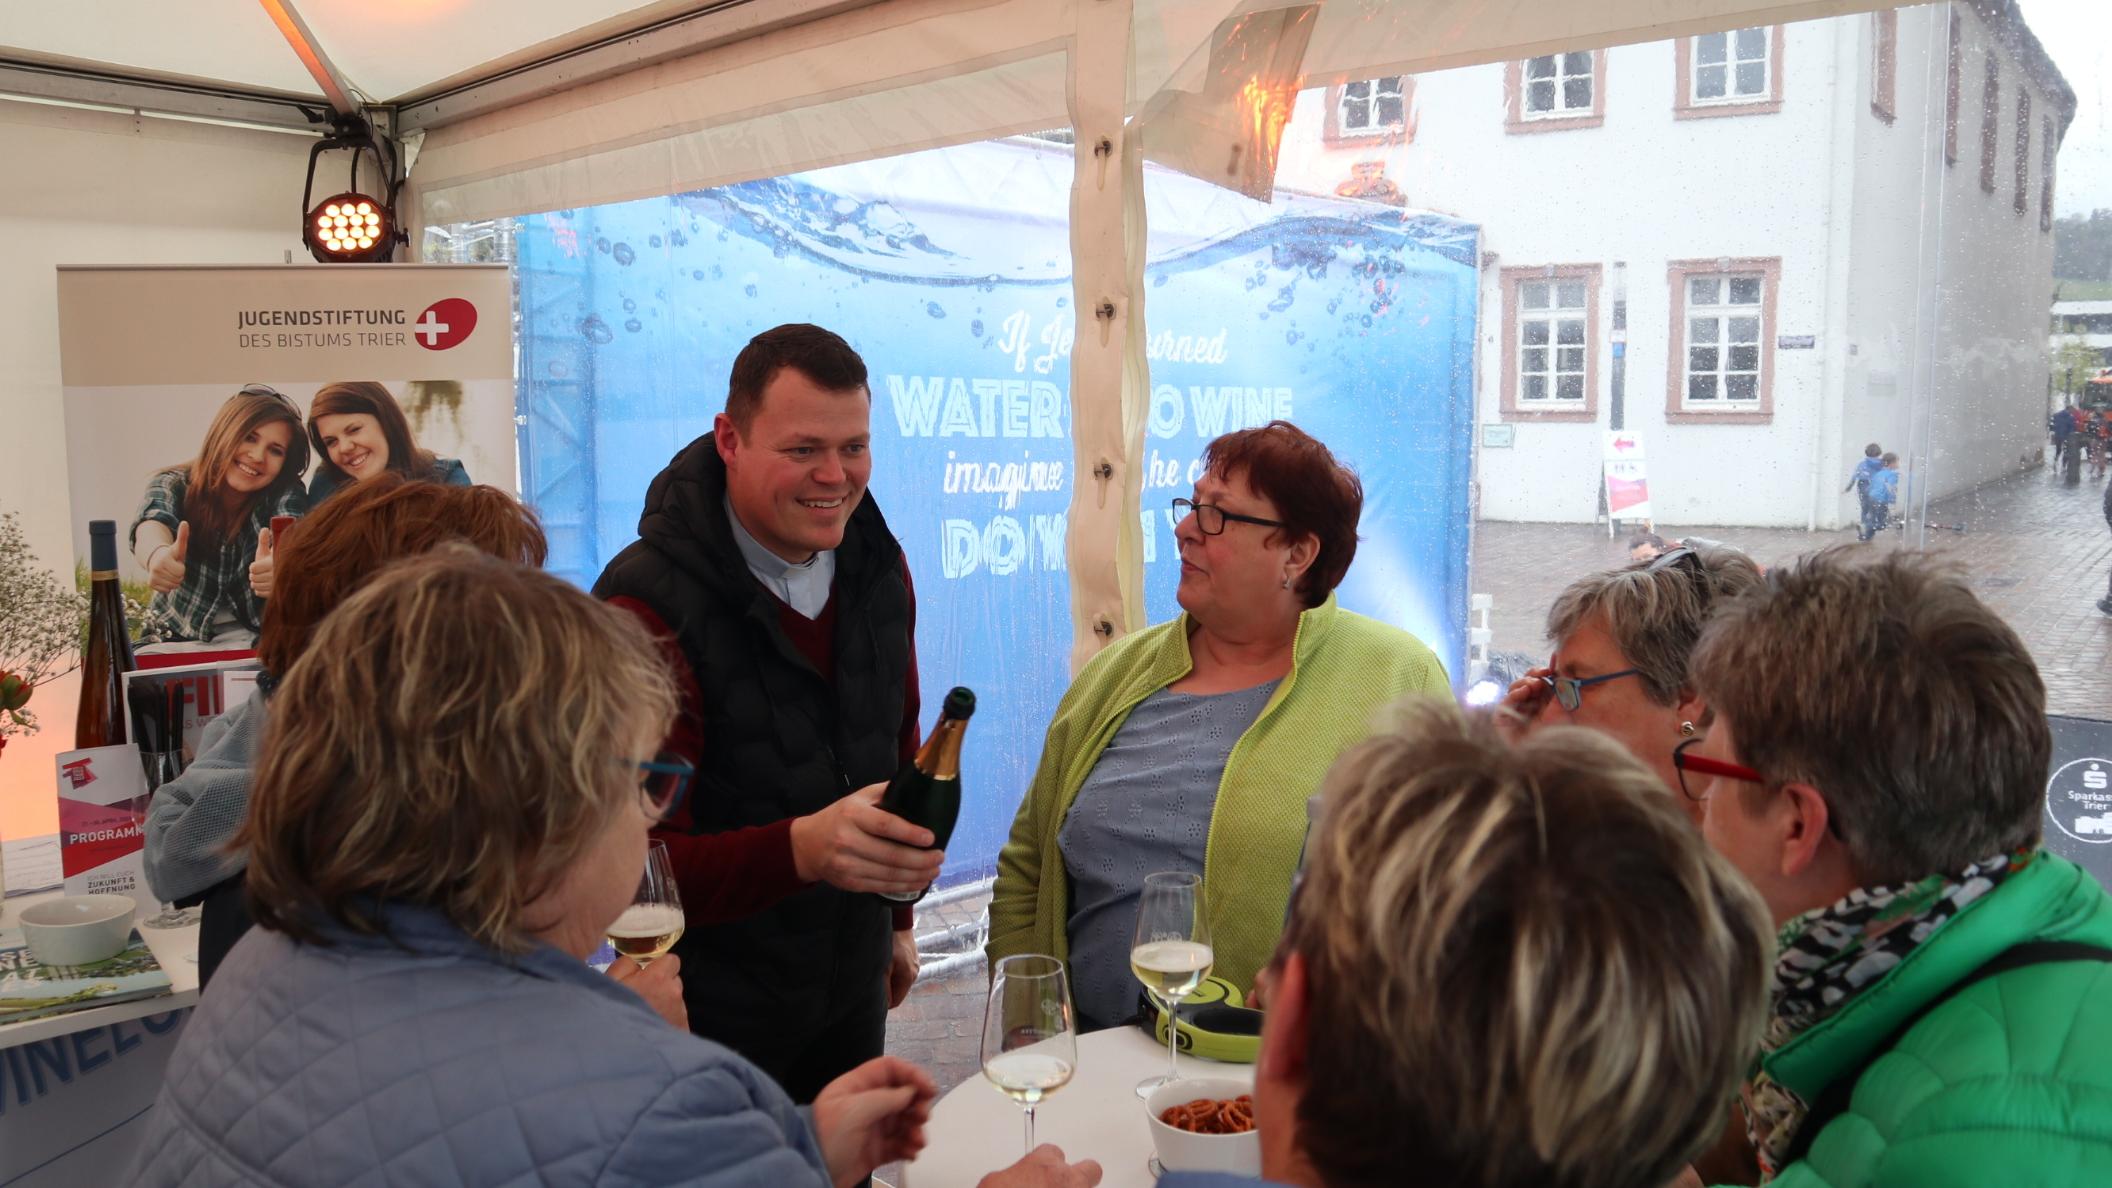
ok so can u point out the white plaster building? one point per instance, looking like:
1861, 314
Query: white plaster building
1818, 235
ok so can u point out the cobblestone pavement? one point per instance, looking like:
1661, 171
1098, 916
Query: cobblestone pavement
940, 1025
2037, 551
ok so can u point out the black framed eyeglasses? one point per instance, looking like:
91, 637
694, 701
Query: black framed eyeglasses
663, 779
1569, 691
1210, 518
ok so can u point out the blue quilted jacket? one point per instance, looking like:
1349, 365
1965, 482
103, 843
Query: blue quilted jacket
437, 1061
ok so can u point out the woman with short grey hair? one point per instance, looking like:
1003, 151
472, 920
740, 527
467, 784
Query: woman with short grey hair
1622, 640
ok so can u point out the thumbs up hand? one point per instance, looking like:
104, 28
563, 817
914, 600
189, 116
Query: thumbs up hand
260, 569
165, 569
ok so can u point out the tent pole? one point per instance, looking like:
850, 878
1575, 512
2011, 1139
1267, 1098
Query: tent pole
1109, 384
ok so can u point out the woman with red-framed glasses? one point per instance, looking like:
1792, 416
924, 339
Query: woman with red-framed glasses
1877, 770
1698, 773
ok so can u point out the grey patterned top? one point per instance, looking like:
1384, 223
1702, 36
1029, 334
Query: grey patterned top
1145, 807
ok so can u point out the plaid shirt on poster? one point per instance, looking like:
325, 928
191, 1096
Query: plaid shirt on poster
216, 583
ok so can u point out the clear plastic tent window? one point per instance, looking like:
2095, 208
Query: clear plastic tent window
1355, 320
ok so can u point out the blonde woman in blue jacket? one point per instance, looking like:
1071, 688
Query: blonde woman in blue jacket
435, 846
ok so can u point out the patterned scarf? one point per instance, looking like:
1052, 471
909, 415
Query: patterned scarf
1831, 954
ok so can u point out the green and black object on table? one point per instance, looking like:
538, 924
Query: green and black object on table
1214, 1023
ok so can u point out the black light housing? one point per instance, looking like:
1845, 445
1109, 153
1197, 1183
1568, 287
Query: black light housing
353, 227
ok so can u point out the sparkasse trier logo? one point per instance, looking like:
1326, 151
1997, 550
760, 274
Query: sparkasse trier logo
444, 324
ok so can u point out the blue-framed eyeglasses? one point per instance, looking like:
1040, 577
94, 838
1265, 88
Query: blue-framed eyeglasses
663, 779
1569, 691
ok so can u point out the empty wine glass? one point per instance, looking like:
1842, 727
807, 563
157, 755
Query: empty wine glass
1171, 954
1029, 1046
161, 767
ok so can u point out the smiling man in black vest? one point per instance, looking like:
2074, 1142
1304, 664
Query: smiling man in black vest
785, 606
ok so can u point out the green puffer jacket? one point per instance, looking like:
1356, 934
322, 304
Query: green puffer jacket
2009, 1083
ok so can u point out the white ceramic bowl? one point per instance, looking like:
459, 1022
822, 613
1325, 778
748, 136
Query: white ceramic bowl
1181, 1150
77, 929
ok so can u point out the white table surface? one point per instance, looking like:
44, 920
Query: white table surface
975, 1130
175, 948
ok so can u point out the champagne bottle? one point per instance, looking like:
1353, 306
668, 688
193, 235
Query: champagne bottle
101, 721
927, 791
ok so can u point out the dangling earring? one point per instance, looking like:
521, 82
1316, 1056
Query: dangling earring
1286, 581
1686, 730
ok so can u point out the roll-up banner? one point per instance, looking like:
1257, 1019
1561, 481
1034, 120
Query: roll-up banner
950, 272
205, 406
203, 403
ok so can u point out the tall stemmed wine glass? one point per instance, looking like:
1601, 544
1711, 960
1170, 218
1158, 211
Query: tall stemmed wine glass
1029, 1045
1171, 954
653, 923
160, 707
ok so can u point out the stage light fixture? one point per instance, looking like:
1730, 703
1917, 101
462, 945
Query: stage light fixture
353, 227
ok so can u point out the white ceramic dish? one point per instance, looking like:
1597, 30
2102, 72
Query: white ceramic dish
77, 929
1181, 1150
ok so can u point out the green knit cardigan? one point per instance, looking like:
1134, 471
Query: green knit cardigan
1344, 669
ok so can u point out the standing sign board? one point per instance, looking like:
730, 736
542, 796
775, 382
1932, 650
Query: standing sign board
1627, 479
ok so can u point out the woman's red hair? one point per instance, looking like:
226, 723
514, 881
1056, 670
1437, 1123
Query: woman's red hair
329, 554
1314, 494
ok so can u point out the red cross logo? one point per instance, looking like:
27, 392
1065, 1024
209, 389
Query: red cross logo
445, 324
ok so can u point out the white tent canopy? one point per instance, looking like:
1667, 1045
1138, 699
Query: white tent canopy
528, 85
521, 106
394, 53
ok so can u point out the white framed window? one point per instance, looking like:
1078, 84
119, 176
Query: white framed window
1724, 338
1550, 328
1372, 106
1733, 67
1558, 86
1553, 319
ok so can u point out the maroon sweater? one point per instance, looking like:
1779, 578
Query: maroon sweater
724, 876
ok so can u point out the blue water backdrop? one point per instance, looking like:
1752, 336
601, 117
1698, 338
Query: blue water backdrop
950, 272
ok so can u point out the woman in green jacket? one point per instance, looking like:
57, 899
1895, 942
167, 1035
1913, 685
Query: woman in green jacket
1193, 745
1877, 768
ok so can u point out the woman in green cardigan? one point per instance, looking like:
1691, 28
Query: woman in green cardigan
1193, 745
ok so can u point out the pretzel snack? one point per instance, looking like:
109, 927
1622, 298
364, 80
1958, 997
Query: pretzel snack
1205, 1116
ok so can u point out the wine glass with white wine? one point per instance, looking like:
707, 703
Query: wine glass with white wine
1029, 1045
1171, 953
653, 922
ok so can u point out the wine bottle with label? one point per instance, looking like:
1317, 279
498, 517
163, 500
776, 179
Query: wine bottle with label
927, 791
101, 720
